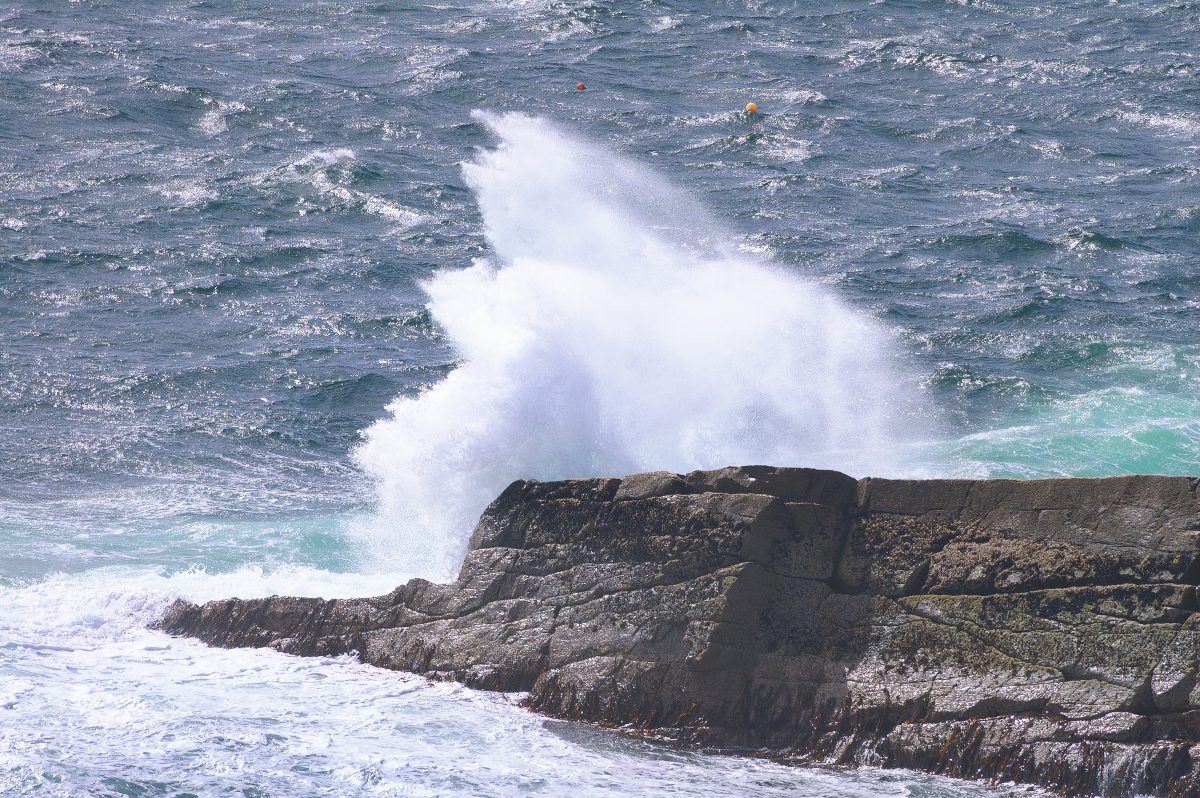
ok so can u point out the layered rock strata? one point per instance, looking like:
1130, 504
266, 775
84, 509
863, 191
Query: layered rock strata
1042, 632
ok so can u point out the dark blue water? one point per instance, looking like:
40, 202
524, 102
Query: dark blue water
204, 292
217, 218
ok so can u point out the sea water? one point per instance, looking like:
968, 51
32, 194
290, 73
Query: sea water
289, 292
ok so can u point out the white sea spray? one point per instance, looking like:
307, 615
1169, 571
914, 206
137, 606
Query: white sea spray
616, 328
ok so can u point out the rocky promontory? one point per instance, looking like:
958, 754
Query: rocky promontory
1042, 631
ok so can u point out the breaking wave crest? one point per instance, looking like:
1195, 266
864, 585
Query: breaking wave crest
616, 329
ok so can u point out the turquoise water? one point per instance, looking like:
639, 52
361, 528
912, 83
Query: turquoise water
288, 293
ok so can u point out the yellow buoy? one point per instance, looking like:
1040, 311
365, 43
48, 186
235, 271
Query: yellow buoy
752, 108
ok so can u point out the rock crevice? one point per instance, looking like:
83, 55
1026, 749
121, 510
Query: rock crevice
1039, 631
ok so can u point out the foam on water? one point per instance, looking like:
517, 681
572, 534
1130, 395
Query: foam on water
215, 215
94, 703
615, 329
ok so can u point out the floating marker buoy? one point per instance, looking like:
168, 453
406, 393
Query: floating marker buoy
752, 108
580, 86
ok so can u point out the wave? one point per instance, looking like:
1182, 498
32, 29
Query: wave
993, 244
616, 329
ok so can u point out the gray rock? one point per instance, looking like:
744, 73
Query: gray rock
1042, 632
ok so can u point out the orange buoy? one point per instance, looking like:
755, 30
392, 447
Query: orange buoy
580, 86
752, 108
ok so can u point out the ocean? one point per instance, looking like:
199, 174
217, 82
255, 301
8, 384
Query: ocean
288, 292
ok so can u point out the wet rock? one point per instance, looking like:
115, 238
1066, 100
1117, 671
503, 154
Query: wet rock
1042, 632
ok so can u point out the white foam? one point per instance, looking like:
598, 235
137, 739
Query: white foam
789, 148
188, 193
92, 702
1181, 124
803, 96
109, 604
617, 329
329, 171
427, 67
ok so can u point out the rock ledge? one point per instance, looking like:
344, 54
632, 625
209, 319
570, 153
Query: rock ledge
1043, 632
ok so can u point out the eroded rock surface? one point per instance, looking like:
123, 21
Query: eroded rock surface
1037, 631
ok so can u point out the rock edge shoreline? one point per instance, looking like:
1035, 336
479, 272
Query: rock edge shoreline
1044, 632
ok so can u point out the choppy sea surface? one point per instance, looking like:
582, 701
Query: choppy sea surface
289, 291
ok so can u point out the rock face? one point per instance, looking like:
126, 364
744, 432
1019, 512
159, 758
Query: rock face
1042, 632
